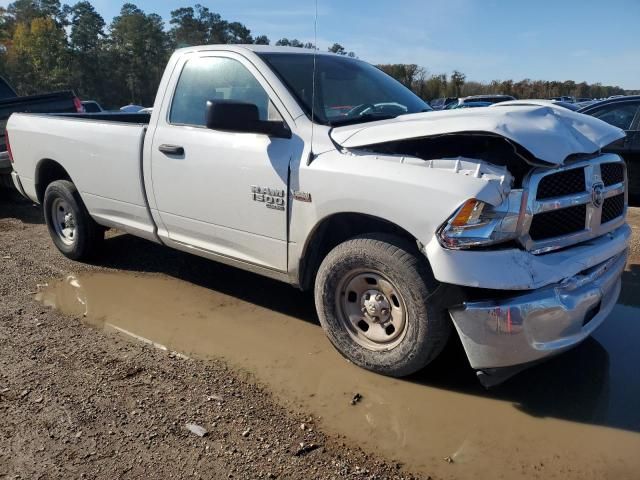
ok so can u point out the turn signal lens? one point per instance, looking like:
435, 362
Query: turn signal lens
477, 223
469, 214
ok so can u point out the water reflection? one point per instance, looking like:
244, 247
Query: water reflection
552, 414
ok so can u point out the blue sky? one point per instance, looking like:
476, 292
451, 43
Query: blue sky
576, 40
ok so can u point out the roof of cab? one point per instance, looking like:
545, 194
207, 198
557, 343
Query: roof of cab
253, 48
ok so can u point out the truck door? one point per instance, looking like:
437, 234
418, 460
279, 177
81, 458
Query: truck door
216, 191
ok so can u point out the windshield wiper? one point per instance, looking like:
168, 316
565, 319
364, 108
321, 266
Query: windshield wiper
367, 117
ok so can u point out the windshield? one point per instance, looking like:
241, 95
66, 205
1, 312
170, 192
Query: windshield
347, 90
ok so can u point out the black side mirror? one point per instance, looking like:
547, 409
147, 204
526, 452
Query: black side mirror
235, 116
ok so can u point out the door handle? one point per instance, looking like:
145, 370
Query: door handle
171, 149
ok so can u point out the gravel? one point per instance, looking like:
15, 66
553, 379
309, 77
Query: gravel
76, 402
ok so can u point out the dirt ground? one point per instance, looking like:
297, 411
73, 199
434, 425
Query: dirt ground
78, 403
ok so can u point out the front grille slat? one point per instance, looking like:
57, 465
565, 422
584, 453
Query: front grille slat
612, 173
558, 223
612, 208
567, 182
588, 216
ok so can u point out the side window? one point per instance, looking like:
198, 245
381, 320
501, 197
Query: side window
212, 78
620, 116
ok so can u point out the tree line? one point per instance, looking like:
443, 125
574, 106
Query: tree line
456, 85
47, 46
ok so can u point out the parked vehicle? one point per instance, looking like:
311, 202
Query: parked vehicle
585, 103
442, 103
541, 103
91, 106
623, 112
480, 98
455, 106
10, 103
505, 223
131, 108
564, 98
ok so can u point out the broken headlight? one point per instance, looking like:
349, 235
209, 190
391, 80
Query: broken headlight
477, 223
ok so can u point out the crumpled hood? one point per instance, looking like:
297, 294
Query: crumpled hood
550, 133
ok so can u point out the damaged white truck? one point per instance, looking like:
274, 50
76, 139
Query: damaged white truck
505, 225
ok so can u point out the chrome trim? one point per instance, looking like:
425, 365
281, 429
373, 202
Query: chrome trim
541, 323
593, 220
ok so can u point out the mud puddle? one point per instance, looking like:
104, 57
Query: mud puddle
576, 416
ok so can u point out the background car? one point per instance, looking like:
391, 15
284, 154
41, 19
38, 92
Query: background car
442, 103
480, 98
564, 98
91, 106
541, 103
457, 106
131, 108
624, 113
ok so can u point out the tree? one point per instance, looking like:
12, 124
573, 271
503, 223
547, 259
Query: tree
38, 58
285, 42
262, 40
138, 52
457, 79
197, 26
407, 74
86, 44
340, 50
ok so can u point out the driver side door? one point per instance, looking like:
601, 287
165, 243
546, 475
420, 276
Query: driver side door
205, 181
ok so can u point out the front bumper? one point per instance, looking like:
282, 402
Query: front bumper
532, 326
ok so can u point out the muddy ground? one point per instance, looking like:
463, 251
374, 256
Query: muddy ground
76, 402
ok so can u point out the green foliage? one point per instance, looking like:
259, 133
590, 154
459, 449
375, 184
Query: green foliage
39, 58
437, 86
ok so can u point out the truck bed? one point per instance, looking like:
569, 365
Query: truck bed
101, 154
49, 102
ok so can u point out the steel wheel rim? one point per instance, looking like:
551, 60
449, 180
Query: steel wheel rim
371, 309
63, 220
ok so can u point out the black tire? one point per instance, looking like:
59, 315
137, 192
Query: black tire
87, 237
426, 328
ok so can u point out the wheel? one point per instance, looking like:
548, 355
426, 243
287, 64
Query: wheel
372, 295
71, 227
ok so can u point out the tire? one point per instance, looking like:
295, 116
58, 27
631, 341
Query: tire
393, 267
71, 227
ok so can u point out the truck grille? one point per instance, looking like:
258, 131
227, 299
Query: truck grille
612, 208
571, 205
612, 173
562, 183
558, 222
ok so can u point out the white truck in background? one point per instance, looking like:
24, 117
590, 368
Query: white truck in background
506, 225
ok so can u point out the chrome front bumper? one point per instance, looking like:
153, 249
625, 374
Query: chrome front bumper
544, 322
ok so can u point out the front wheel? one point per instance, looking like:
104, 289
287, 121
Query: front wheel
71, 227
373, 296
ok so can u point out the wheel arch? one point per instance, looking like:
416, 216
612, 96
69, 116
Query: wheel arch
335, 229
47, 171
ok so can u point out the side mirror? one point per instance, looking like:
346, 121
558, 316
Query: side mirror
235, 116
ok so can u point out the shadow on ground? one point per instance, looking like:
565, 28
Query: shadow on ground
14, 206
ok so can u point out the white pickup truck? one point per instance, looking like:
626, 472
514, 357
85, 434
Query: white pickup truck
507, 223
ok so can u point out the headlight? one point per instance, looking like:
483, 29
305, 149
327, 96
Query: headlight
477, 223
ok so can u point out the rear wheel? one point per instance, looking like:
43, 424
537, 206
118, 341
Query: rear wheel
373, 296
71, 227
